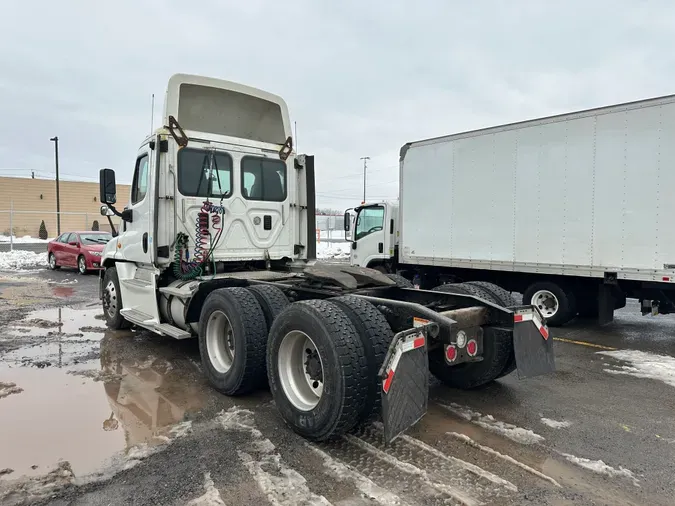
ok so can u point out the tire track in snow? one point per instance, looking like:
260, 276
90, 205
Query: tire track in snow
282, 485
466, 439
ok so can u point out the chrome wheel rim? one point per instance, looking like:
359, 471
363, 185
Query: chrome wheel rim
110, 299
82, 264
220, 341
547, 303
300, 370
52, 261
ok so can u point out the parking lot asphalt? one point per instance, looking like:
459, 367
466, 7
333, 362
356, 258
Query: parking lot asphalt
92, 416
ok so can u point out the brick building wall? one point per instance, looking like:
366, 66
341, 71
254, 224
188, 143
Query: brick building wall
26, 194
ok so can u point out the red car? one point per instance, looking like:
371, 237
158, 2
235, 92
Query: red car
77, 249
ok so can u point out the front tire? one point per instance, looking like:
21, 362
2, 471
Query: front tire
232, 340
112, 300
52, 262
81, 265
317, 369
401, 282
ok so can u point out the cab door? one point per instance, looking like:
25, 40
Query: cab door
136, 242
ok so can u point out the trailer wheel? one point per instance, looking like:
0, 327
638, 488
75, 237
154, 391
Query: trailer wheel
232, 340
112, 300
317, 369
271, 299
401, 282
557, 304
498, 355
376, 336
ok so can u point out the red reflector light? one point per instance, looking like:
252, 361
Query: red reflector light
472, 348
517, 317
666, 278
451, 353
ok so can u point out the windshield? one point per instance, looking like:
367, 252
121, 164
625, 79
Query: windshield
369, 220
95, 238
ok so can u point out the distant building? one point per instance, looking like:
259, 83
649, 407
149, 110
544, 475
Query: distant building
34, 200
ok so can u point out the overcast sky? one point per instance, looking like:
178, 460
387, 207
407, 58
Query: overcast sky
360, 77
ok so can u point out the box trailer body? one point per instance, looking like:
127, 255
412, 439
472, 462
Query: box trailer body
579, 195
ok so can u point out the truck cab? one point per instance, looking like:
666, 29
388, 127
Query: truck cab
374, 235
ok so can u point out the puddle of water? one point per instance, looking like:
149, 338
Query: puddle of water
84, 413
64, 324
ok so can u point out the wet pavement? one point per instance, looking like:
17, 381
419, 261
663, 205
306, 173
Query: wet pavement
92, 416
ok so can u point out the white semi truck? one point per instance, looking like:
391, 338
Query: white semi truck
573, 211
217, 243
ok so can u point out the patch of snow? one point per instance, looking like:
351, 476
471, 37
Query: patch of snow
554, 424
211, 497
598, 466
466, 439
643, 365
488, 422
26, 239
20, 259
365, 485
7, 389
333, 250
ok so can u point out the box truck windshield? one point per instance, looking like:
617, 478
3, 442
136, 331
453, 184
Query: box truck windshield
370, 219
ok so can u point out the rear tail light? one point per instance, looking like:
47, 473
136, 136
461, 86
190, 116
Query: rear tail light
472, 348
451, 353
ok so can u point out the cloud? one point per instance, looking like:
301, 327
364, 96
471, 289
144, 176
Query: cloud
360, 78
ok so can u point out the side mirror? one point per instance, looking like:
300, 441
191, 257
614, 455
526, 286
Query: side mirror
72, 243
106, 211
347, 221
107, 186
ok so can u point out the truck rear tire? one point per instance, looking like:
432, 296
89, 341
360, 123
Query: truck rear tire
376, 336
311, 344
556, 303
401, 282
112, 301
501, 296
232, 340
498, 355
271, 299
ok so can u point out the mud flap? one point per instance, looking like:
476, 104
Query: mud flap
532, 343
405, 380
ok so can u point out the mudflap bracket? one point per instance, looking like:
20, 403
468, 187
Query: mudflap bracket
405, 380
532, 343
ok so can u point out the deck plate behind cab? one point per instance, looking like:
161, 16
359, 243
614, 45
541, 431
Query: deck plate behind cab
347, 276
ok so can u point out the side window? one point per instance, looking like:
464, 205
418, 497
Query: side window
263, 179
66, 238
140, 183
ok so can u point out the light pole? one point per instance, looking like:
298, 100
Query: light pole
55, 140
365, 165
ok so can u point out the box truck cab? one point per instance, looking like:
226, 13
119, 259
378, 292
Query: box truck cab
374, 234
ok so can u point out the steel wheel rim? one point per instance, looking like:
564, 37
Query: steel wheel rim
298, 379
220, 341
52, 261
547, 303
110, 299
82, 264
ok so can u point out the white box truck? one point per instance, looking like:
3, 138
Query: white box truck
574, 211
217, 244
